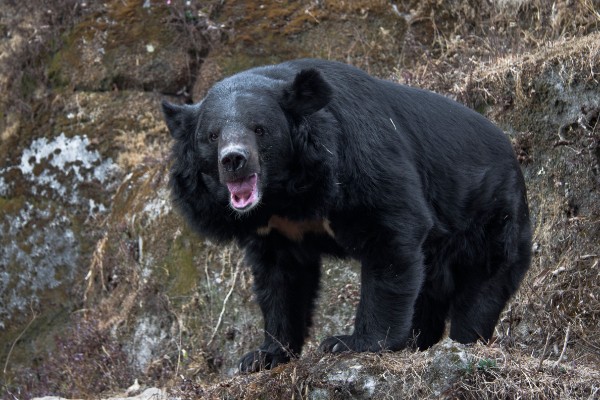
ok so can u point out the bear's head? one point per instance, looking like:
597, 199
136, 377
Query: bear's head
258, 136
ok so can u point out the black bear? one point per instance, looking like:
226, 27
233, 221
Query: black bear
312, 157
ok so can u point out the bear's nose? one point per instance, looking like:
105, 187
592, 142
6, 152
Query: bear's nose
233, 160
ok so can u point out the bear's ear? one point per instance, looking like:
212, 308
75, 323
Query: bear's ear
178, 119
308, 93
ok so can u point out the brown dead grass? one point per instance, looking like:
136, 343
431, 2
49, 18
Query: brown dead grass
491, 372
514, 375
446, 43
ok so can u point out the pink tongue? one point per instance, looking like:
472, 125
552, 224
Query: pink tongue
243, 191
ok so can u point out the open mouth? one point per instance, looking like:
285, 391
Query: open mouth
244, 192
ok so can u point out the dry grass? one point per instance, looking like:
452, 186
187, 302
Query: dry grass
514, 375
446, 43
483, 372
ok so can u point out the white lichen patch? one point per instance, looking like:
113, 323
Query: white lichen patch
147, 339
96, 207
160, 205
56, 167
55, 183
448, 361
41, 251
356, 377
3, 187
70, 157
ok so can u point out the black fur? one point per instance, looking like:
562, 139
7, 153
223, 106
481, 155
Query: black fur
425, 193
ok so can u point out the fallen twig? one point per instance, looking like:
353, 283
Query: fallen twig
562, 353
235, 274
12, 347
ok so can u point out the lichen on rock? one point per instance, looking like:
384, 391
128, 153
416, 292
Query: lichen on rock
41, 246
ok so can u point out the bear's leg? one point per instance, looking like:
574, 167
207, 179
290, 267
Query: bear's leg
474, 314
477, 305
286, 281
390, 284
429, 320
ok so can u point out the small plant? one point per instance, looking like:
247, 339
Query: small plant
483, 365
486, 364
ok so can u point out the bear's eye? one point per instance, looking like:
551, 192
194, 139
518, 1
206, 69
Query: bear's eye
213, 136
259, 130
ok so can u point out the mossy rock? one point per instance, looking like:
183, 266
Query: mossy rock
57, 177
367, 34
127, 46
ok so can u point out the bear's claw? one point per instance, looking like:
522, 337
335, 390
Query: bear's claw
337, 344
259, 360
343, 343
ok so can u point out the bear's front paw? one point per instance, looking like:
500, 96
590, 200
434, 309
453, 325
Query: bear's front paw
339, 344
259, 360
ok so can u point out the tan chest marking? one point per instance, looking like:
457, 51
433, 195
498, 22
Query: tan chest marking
295, 230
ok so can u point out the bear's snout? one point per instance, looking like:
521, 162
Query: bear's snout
234, 159
239, 170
